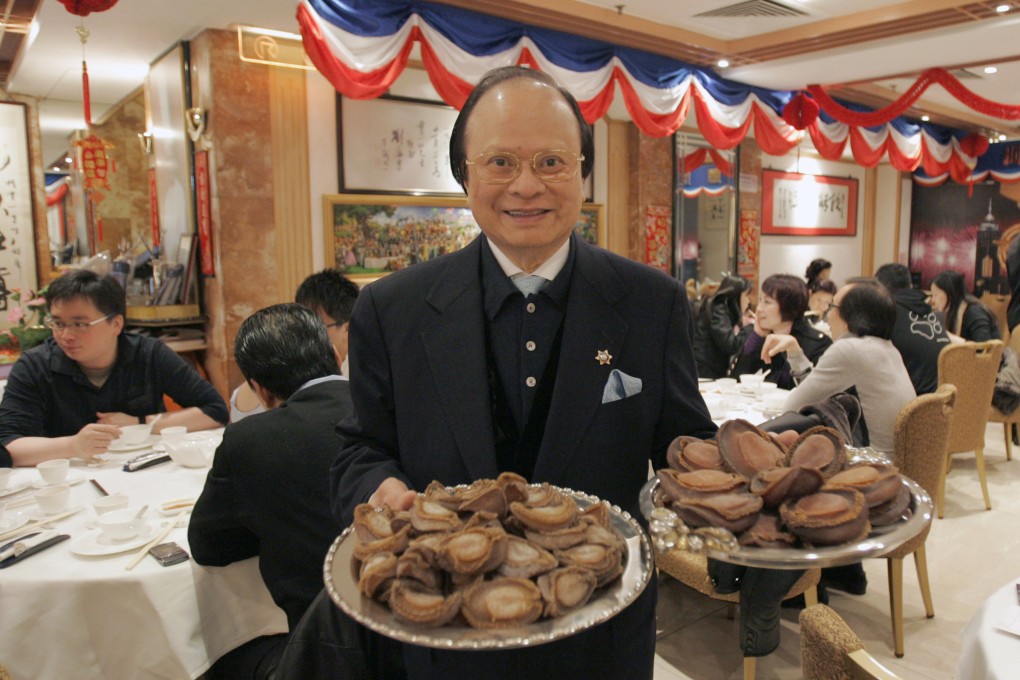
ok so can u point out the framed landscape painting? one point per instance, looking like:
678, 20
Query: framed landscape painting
368, 236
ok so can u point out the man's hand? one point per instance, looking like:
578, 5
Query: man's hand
776, 343
116, 418
394, 493
93, 439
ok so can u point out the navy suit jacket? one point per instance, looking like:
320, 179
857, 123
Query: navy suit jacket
422, 409
267, 494
422, 412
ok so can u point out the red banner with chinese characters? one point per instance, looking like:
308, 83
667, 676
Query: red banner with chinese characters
202, 197
153, 207
657, 223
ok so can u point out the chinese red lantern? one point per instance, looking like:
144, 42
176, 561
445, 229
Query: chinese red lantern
83, 8
801, 111
974, 145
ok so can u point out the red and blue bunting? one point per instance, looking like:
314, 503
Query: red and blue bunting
362, 46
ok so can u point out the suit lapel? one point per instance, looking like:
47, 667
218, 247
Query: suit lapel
455, 347
591, 324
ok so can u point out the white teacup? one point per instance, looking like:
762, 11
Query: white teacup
173, 434
766, 388
116, 501
717, 408
193, 453
725, 382
774, 401
135, 434
751, 379
53, 499
54, 471
121, 525
5, 478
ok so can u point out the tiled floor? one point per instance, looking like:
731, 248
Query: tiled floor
971, 554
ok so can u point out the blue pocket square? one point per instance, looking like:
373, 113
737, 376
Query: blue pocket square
620, 386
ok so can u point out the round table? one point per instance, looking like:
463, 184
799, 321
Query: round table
70, 616
990, 653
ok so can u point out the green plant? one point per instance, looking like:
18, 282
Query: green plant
29, 317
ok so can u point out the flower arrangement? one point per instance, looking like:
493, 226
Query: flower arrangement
29, 317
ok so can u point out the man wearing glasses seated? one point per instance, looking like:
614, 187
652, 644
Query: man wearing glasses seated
70, 395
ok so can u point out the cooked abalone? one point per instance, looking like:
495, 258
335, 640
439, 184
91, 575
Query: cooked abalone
828, 517
502, 603
690, 454
748, 450
566, 588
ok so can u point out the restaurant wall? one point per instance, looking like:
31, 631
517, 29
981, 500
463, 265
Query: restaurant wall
125, 208
791, 254
258, 160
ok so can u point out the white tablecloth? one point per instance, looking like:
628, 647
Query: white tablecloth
989, 653
65, 616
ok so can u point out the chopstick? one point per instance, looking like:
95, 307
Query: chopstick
156, 541
27, 500
99, 487
38, 523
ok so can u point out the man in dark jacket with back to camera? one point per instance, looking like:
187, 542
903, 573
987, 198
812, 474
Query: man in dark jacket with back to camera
919, 334
267, 493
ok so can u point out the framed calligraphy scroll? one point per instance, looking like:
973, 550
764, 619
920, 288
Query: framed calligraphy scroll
395, 145
808, 205
17, 207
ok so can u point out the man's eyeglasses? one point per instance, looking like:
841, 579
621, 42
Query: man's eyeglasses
828, 308
503, 167
76, 326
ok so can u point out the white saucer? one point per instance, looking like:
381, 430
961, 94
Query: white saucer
73, 477
36, 514
12, 489
117, 446
94, 543
13, 519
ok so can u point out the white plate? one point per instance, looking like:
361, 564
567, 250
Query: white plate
36, 514
14, 519
73, 477
118, 446
12, 489
94, 544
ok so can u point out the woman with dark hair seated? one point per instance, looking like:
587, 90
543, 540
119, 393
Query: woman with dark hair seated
966, 316
862, 317
783, 342
818, 270
820, 294
720, 328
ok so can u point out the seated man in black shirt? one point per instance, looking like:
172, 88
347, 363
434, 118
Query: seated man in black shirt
267, 493
70, 395
919, 333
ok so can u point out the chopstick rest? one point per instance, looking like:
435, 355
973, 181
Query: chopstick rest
31, 546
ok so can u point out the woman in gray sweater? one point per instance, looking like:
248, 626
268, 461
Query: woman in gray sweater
861, 316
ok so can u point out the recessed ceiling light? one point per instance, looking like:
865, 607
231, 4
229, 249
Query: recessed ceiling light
1002, 8
1002, 138
67, 159
991, 69
56, 169
723, 63
926, 118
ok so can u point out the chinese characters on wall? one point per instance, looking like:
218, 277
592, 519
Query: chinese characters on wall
17, 245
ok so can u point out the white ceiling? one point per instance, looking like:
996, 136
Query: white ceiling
126, 38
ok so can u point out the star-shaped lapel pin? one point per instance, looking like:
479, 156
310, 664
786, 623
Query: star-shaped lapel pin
604, 357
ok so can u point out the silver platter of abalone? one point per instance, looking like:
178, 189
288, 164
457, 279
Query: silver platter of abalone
342, 586
881, 541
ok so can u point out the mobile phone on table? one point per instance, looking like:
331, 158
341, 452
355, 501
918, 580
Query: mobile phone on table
168, 553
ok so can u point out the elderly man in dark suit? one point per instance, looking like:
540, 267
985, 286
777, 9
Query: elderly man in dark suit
461, 370
267, 493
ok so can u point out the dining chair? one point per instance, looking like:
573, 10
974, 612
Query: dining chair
997, 416
971, 367
919, 438
691, 569
830, 650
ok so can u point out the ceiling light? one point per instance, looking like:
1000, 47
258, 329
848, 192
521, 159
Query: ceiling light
723, 63
56, 168
926, 118
67, 159
991, 69
1002, 8
1002, 138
